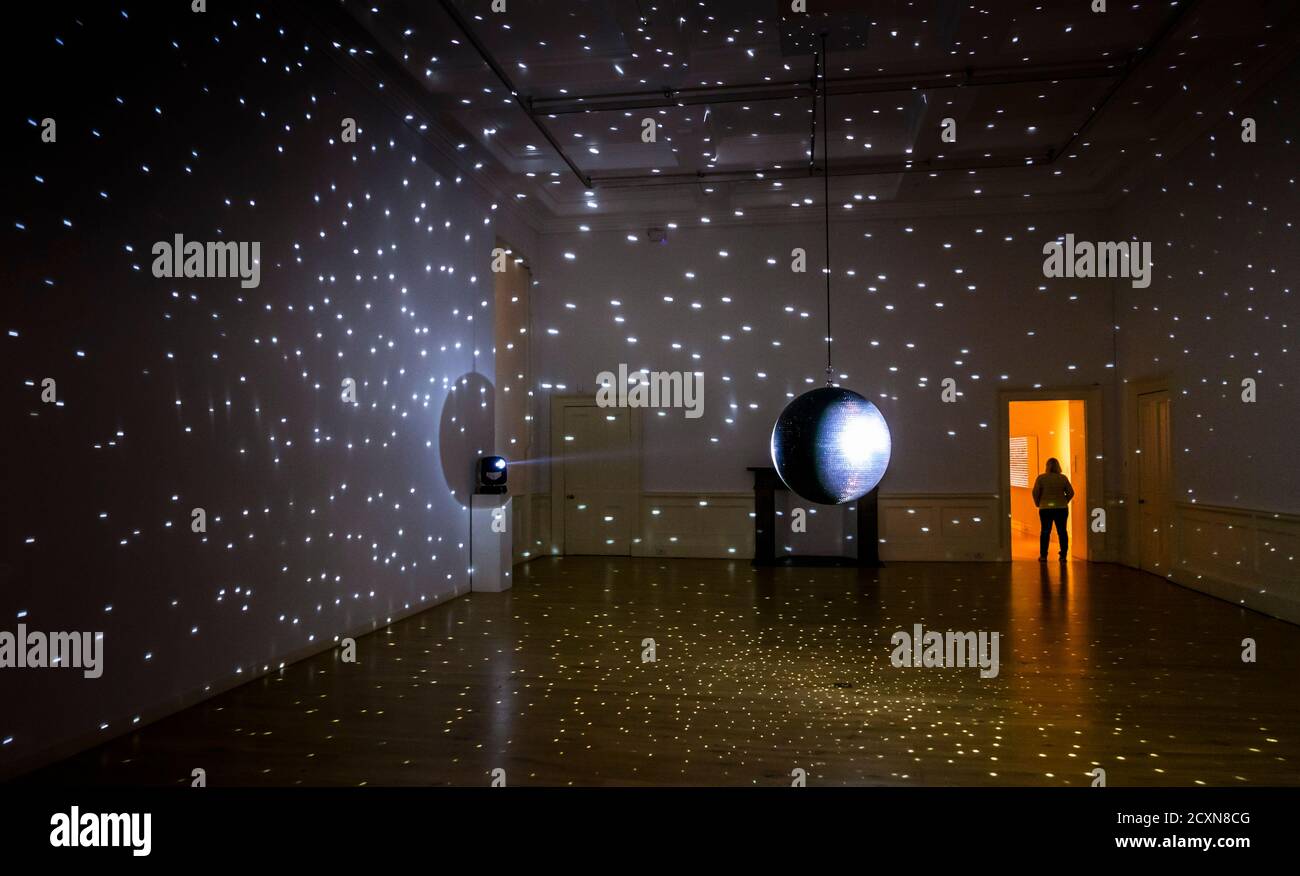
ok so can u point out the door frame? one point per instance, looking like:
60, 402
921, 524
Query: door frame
1133, 390
1091, 398
558, 404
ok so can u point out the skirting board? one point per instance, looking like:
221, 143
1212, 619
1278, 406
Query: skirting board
530, 523
695, 525
913, 526
940, 527
1248, 557
129, 721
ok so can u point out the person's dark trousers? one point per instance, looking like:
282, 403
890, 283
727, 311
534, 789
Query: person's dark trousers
1046, 517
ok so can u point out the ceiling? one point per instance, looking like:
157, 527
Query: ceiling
1054, 104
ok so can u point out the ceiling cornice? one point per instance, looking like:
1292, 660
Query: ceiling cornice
375, 70
1266, 67
812, 214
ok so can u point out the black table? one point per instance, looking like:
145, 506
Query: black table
766, 484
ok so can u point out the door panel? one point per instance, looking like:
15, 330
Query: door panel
1153, 482
599, 481
1080, 508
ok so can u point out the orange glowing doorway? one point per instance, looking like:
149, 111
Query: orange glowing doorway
1039, 430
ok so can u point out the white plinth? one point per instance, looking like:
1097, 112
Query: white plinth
492, 550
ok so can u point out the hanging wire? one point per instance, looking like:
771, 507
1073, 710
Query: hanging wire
826, 203
812, 123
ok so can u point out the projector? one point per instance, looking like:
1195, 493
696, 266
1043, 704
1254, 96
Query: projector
491, 475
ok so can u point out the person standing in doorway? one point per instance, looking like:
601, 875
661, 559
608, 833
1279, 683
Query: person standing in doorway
1052, 495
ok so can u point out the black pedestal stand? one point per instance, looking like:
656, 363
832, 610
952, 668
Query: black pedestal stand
766, 484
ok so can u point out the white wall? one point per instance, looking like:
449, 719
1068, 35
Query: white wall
889, 333
1224, 303
323, 519
1222, 307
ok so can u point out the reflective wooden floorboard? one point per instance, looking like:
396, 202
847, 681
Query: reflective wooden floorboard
759, 672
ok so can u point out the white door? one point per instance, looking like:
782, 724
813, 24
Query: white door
600, 489
1153, 482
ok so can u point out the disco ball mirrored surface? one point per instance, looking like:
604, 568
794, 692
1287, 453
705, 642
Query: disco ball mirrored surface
830, 446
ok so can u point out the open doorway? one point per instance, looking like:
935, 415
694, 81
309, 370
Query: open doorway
1039, 430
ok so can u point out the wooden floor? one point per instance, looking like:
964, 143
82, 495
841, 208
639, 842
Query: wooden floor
759, 673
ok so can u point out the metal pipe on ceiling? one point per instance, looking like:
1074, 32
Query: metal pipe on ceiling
1136, 60
486, 57
891, 84
913, 165
535, 108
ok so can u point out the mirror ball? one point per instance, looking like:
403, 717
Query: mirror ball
830, 446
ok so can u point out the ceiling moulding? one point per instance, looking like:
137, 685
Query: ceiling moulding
371, 65
886, 167
1136, 61
812, 214
1120, 71
497, 70
1214, 109
884, 84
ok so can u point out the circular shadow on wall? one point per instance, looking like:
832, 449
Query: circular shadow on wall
465, 432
